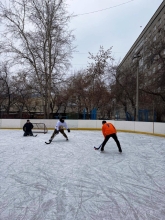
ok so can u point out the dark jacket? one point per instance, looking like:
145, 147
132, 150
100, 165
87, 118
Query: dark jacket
28, 127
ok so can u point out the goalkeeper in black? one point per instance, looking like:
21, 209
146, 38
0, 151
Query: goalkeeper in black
27, 128
61, 124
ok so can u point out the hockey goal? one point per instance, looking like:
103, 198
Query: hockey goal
39, 128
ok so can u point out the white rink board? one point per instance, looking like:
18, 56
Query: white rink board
159, 128
11, 123
148, 127
144, 127
126, 126
87, 124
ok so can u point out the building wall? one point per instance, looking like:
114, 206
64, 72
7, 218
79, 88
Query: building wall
158, 16
125, 126
149, 66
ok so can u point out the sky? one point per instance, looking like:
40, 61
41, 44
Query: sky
69, 180
117, 24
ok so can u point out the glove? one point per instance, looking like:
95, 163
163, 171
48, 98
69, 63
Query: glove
68, 130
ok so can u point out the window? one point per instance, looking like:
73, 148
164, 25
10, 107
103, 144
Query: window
159, 31
141, 61
145, 74
134, 60
159, 66
157, 57
159, 21
139, 45
154, 39
154, 28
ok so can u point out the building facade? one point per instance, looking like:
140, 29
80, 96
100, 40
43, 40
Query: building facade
145, 65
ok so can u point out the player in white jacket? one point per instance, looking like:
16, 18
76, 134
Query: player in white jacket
61, 124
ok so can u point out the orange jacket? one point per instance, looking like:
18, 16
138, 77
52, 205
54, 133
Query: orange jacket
108, 129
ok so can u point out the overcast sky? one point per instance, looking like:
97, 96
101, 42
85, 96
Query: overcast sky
117, 23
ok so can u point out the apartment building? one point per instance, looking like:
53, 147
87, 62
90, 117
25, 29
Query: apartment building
152, 32
146, 62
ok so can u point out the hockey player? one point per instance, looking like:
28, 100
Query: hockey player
108, 131
61, 124
27, 128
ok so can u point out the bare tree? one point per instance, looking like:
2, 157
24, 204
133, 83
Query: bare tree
83, 95
38, 41
25, 98
99, 62
6, 92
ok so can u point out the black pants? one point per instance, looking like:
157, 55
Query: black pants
56, 132
28, 133
114, 136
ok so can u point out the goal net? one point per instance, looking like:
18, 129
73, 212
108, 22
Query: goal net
39, 128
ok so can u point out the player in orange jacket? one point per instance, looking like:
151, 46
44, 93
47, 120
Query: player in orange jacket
108, 131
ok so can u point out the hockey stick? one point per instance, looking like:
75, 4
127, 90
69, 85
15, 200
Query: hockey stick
52, 139
97, 148
47, 142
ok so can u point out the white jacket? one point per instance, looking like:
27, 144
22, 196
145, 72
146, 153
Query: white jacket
59, 123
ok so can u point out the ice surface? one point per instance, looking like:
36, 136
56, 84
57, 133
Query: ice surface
72, 181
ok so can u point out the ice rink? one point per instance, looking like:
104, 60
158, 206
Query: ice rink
72, 181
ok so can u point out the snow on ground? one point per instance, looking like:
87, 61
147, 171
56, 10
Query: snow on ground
71, 181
